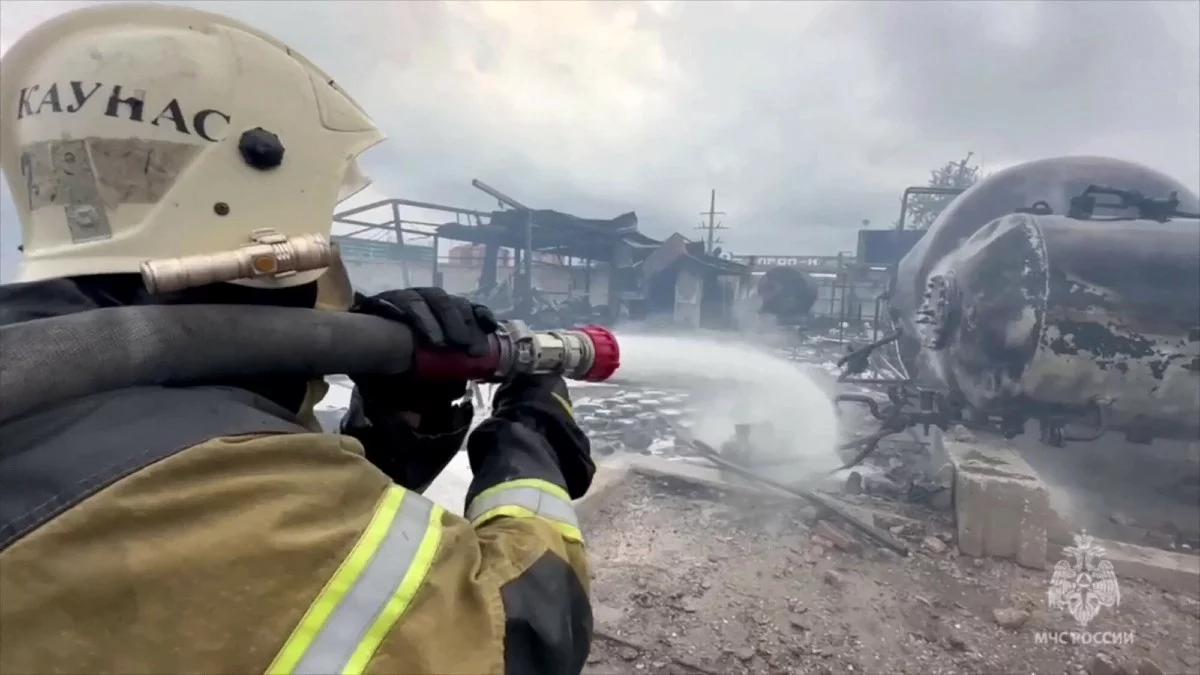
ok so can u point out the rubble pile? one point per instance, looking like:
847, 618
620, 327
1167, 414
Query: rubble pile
901, 468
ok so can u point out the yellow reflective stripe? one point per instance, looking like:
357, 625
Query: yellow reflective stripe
568, 532
403, 596
565, 404
340, 584
536, 483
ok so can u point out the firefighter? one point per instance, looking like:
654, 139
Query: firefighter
212, 528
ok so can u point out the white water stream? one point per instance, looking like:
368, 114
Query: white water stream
733, 383
729, 383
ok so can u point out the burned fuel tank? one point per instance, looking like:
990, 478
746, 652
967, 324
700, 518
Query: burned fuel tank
786, 293
1048, 184
1060, 318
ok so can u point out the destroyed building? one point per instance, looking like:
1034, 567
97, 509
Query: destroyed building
530, 263
678, 282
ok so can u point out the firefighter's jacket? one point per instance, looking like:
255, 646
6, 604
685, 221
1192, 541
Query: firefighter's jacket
205, 530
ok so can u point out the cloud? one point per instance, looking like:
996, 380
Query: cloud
806, 117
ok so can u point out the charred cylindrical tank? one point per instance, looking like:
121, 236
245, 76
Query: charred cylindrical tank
787, 293
1048, 184
1045, 316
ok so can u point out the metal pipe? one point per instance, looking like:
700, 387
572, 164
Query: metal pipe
350, 235
875, 319
878, 534
500, 196
353, 221
841, 282
527, 276
400, 242
863, 399
435, 281
407, 202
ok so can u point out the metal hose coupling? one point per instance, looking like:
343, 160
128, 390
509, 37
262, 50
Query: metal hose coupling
270, 256
590, 353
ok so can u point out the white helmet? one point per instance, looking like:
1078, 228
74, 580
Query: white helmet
140, 132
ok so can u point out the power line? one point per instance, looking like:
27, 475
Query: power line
713, 224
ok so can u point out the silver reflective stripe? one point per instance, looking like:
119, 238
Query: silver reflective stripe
533, 499
335, 644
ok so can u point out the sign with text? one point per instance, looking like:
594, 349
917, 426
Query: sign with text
805, 261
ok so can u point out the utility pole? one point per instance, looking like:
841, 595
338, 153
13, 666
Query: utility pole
712, 213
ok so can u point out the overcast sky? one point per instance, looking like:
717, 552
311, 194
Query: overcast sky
807, 118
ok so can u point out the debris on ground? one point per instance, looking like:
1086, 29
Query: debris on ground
1185, 604
854, 483
1103, 664
807, 514
834, 579
1010, 617
933, 545
713, 581
840, 540
839, 613
1148, 667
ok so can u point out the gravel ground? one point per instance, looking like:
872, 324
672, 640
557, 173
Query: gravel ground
692, 579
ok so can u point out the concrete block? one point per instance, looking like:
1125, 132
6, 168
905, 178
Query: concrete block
1058, 527
937, 445
1001, 507
1178, 572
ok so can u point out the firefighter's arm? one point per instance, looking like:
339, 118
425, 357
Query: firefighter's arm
530, 460
508, 596
508, 592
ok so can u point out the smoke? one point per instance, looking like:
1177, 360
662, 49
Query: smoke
795, 424
758, 327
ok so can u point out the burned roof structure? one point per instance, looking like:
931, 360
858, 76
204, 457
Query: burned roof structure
553, 232
632, 256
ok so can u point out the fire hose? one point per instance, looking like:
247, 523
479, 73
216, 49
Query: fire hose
45, 361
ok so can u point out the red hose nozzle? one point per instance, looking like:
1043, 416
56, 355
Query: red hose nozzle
607, 353
590, 353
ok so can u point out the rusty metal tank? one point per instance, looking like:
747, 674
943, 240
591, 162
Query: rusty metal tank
1038, 314
787, 293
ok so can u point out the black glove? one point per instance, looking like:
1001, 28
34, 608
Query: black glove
410, 429
543, 438
436, 318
